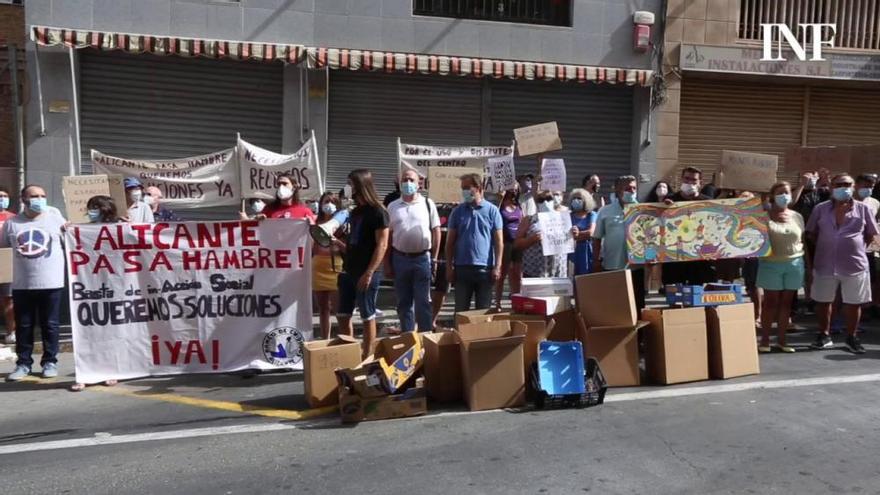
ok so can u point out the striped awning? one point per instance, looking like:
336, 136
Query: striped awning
338, 58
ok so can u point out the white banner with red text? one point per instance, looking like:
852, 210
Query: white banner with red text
165, 299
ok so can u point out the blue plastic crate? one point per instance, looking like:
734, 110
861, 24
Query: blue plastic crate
711, 295
561, 368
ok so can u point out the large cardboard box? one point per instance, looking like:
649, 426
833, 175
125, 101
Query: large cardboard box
538, 328
354, 408
320, 360
442, 369
5, 265
617, 351
492, 364
733, 350
606, 299
544, 306
480, 316
677, 347
395, 362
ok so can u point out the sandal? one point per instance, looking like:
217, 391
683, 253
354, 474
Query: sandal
784, 348
77, 387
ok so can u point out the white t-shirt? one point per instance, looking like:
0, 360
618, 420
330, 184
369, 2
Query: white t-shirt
140, 212
411, 224
528, 205
873, 204
37, 250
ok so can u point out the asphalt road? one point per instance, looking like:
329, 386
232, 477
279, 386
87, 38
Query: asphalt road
790, 430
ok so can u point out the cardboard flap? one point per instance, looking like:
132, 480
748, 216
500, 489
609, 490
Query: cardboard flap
511, 341
684, 316
479, 316
440, 338
733, 312
639, 325
336, 341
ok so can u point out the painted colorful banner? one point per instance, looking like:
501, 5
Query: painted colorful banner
197, 181
167, 299
696, 230
260, 167
419, 158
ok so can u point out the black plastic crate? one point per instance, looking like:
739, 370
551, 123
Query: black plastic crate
595, 382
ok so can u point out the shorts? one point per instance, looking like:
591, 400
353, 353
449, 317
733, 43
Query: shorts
855, 289
781, 275
441, 285
6, 290
349, 296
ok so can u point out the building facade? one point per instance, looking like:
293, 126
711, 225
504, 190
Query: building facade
177, 78
720, 95
12, 40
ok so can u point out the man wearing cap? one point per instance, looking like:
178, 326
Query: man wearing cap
153, 197
138, 210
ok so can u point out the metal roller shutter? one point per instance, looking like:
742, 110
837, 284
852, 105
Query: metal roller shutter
144, 106
718, 116
843, 116
368, 112
595, 124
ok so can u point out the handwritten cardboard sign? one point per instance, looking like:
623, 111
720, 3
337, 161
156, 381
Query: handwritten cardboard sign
553, 174
556, 235
444, 183
813, 158
536, 139
747, 171
78, 189
500, 174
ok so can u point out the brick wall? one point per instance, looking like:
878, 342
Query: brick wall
11, 31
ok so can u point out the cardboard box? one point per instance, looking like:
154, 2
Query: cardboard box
354, 408
617, 351
442, 369
606, 299
677, 347
492, 364
479, 316
5, 265
544, 306
733, 350
565, 326
320, 360
396, 360
546, 287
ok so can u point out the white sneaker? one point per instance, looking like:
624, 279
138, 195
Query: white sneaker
9, 339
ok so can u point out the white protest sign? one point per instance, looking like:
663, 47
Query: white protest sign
500, 174
444, 183
553, 174
260, 168
209, 297
747, 171
197, 181
420, 158
536, 139
556, 235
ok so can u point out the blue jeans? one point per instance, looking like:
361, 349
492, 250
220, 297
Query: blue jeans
412, 282
349, 296
472, 282
30, 305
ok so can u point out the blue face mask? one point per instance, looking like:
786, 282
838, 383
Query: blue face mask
782, 200
94, 215
864, 192
329, 208
409, 188
630, 197
546, 206
467, 196
577, 204
842, 193
38, 205
4, 203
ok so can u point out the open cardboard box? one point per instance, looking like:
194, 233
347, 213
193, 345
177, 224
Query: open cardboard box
733, 350
677, 347
320, 360
606, 299
492, 364
353, 408
480, 316
395, 361
617, 351
442, 368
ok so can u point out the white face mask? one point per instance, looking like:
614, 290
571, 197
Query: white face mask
546, 206
689, 189
557, 199
662, 191
149, 200
258, 206
135, 195
285, 192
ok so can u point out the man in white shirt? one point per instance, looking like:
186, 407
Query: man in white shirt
138, 210
415, 242
865, 184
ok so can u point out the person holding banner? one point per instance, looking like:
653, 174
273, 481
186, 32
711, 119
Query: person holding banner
511, 263
368, 239
138, 210
583, 217
474, 246
36, 238
287, 203
153, 199
6, 289
412, 262
528, 240
326, 266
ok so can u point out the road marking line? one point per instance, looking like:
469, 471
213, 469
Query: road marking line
142, 437
221, 405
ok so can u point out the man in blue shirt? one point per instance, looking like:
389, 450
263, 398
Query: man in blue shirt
609, 238
474, 244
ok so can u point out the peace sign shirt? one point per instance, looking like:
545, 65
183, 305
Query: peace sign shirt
37, 250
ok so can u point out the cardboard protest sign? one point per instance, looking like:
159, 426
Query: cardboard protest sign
813, 158
260, 168
209, 297
697, 230
556, 235
536, 139
500, 174
444, 183
420, 158
553, 174
78, 189
197, 181
5, 265
747, 171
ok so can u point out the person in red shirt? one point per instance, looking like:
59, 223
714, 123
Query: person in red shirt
6, 289
287, 203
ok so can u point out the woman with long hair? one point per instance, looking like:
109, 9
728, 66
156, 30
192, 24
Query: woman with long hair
326, 265
511, 262
367, 242
528, 240
287, 202
661, 190
583, 216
